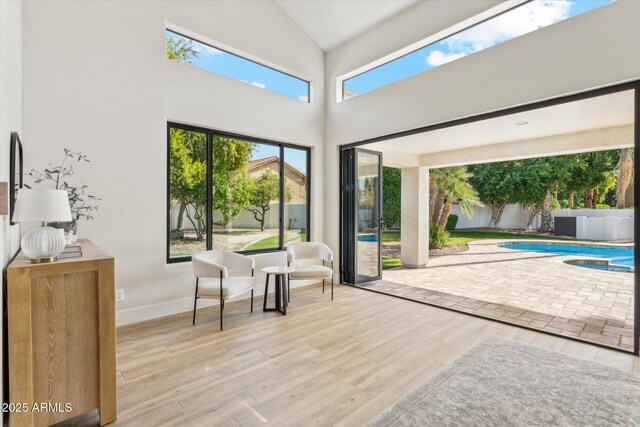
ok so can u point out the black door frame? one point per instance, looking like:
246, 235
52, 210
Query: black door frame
593, 93
349, 221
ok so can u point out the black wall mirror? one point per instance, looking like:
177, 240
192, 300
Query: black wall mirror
15, 172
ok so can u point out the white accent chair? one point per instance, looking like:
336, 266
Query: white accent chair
213, 278
308, 259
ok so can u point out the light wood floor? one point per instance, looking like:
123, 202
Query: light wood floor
325, 363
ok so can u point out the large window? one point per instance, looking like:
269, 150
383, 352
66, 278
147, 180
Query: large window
234, 193
520, 20
198, 54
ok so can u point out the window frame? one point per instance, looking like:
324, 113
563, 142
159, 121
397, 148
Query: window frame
227, 51
211, 133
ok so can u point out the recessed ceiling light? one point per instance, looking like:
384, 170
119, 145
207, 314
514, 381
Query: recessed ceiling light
522, 123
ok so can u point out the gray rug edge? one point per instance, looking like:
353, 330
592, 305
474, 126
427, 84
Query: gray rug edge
390, 415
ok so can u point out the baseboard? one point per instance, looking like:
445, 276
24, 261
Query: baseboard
155, 311
182, 305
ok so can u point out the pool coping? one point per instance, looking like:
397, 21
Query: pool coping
578, 262
585, 262
628, 246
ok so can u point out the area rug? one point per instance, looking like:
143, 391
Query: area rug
503, 383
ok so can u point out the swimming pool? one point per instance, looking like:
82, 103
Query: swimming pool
619, 256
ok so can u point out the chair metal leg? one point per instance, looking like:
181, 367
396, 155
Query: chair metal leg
288, 282
251, 300
195, 302
221, 301
323, 286
332, 280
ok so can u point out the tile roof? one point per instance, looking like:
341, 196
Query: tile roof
261, 162
265, 161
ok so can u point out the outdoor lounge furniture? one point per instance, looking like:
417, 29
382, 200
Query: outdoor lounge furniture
213, 278
309, 259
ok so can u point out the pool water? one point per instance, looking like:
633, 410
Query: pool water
368, 238
618, 256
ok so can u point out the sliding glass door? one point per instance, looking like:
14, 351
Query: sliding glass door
361, 207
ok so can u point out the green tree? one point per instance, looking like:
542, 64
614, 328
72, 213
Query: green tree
391, 195
231, 185
188, 177
599, 166
262, 192
180, 49
535, 180
495, 187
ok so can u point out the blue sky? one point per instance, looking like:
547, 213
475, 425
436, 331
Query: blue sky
238, 68
516, 22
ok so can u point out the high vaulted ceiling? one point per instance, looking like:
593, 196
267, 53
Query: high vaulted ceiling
331, 23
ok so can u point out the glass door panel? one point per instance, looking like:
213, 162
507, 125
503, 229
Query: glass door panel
368, 215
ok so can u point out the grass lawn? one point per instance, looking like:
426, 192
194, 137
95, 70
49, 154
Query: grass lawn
391, 237
389, 262
273, 241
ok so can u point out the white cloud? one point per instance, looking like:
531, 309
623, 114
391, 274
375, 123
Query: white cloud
303, 98
258, 84
525, 19
437, 57
204, 50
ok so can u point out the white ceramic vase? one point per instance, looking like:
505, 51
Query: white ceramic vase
43, 242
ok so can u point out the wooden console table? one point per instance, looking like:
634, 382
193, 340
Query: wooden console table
62, 338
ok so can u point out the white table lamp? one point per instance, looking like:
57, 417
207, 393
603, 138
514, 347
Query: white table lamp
42, 244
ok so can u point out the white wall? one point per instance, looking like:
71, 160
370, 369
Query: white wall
601, 224
596, 49
608, 228
10, 121
622, 213
513, 217
96, 80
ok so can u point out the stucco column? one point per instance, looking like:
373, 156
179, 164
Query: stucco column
414, 222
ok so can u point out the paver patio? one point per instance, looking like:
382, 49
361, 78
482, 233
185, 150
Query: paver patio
527, 288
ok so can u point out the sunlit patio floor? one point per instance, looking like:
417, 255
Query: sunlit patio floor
526, 288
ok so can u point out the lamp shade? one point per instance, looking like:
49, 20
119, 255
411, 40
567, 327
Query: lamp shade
42, 206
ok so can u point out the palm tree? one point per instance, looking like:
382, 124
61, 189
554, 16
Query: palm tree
546, 218
453, 187
624, 175
437, 205
433, 188
436, 193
